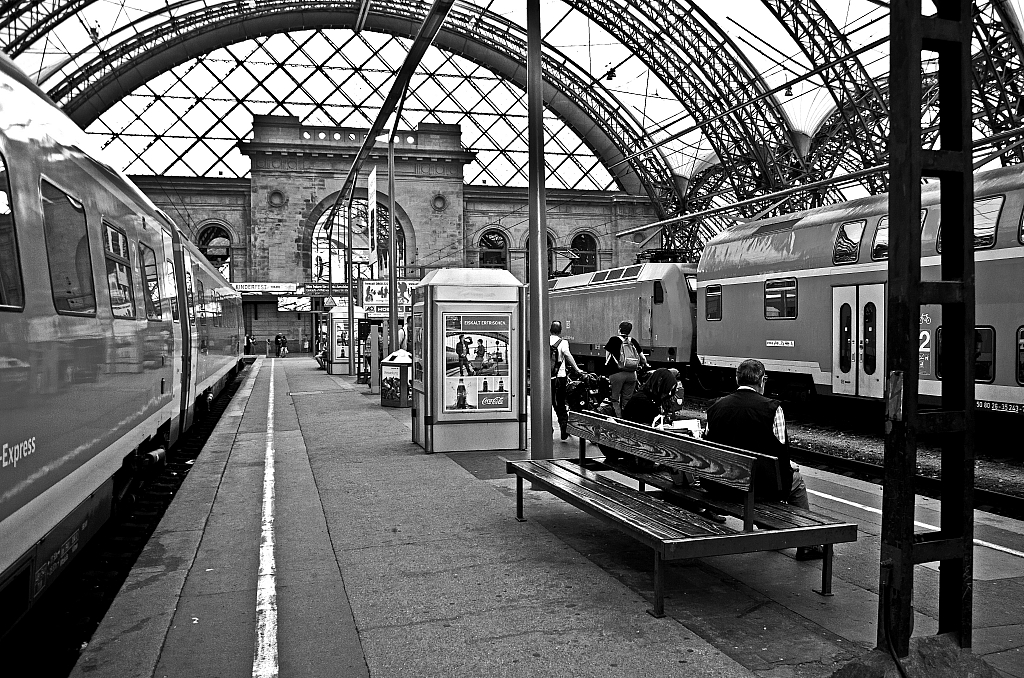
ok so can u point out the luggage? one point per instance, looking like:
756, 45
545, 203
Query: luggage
585, 391
629, 359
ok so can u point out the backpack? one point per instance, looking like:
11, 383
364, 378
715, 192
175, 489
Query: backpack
556, 361
629, 359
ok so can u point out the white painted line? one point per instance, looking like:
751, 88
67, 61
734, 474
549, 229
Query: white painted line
872, 509
264, 664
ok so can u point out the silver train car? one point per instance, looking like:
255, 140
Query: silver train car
112, 328
658, 298
805, 293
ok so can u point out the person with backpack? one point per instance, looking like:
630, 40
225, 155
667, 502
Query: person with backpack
623, 359
561, 359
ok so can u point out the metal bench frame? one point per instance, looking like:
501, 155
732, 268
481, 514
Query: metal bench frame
674, 532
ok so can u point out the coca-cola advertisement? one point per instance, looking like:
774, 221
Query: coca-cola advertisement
476, 360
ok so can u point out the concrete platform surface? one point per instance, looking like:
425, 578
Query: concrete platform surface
392, 562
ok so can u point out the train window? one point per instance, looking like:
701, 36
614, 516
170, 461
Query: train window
119, 272
151, 279
713, 302
201, 302
599, 277
171, 287
659, 292
870, 337
614, 274
845, 338
984, 353
847, 248
12, 289
986, 218
67, 252
780, 299
190, 298
632, 272
1020, 355
880, 246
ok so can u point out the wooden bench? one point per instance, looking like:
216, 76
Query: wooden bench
677, 532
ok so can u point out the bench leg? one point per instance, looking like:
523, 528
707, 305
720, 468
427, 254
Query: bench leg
583, 451
659, 587
826, 572
519, 499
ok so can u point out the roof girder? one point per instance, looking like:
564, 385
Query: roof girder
584, 105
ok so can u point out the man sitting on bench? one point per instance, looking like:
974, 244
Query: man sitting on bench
749, 420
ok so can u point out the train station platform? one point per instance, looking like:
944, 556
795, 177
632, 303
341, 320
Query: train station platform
391, 562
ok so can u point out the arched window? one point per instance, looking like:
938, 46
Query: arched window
551, 258
215, 244
493, 250
329, 243
585, 246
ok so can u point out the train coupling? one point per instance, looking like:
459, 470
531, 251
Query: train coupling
151, 458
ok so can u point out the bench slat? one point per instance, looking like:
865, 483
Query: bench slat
771, 515
568, 486
762, 540
724, 466
674, 516
618, 506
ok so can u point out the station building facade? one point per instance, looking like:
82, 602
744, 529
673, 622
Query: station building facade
277, 239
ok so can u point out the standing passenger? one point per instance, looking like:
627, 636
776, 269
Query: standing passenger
560, 357
624, 358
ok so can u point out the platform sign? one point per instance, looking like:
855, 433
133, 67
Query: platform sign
371, 220
476, 360
375, 297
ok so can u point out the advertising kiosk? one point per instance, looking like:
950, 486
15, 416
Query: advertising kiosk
338, 344
468, 339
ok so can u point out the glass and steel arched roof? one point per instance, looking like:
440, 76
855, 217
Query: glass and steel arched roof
695, 103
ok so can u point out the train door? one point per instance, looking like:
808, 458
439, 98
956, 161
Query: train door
186, 313
858, 340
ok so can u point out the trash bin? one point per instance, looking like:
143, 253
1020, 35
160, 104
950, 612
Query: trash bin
394, 379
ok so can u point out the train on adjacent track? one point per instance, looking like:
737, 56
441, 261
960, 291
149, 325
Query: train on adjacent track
114, 331
805, 294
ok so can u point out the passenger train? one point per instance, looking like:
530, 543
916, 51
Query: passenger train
112, 328
805, 294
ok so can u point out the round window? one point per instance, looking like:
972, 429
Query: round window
439, 203
276, 199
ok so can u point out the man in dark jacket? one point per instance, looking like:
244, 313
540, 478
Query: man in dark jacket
749, 420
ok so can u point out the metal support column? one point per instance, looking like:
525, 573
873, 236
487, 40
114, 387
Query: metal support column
947, 33
540, 368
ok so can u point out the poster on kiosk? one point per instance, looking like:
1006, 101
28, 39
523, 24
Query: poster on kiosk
468, 352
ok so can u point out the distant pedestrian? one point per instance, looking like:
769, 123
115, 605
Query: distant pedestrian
623, 359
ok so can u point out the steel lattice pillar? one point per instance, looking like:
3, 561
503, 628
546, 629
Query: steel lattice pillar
948, 33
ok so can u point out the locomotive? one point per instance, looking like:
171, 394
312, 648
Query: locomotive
805, 294
658, 298
114, 329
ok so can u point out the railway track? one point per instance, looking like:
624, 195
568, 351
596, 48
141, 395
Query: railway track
53, 633
1001, 503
